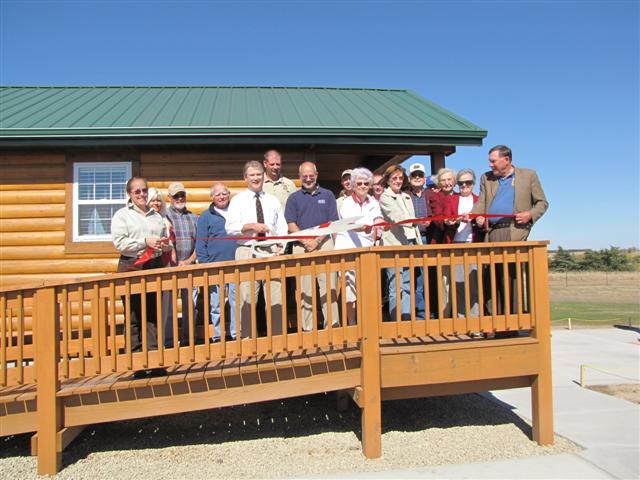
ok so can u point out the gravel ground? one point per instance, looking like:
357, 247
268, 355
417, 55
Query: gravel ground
290, 438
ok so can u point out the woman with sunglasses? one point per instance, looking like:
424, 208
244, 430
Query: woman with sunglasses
458, 231
135, 228
397, 206
358, 204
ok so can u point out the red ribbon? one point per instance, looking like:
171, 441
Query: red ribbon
149, 252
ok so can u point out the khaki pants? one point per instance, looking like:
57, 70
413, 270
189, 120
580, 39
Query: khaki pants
306, 286
247, 303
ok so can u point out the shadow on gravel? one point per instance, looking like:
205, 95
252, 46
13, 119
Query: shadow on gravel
295, 417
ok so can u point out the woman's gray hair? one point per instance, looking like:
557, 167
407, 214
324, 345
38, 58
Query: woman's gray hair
466, 171
156, 193
361, 172
444, 171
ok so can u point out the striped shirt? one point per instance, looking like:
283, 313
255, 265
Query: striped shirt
420, 208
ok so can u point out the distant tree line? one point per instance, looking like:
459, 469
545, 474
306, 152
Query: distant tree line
612, 259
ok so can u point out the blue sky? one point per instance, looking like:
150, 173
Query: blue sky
558, 81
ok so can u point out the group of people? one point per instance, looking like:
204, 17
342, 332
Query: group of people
271, 205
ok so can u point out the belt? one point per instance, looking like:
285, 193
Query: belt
497, 225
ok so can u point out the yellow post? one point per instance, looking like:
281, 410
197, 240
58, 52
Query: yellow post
370, 306
541, 388
47, 327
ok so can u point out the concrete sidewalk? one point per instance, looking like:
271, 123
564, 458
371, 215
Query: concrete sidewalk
607, 427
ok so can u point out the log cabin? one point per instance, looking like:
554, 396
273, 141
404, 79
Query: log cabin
65, 352
66, 152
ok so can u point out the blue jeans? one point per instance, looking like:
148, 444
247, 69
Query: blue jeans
214, 304
404, 286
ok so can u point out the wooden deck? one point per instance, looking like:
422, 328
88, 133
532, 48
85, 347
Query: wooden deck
56, 387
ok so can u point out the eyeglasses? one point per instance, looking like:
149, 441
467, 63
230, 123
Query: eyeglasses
179, 195
362, 184
139, 191
417, 175
467, 183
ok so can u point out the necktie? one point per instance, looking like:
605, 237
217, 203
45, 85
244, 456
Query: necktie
259, 213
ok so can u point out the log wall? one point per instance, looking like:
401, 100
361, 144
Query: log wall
36, 208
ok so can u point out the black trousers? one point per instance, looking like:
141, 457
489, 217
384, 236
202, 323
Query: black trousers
126, 264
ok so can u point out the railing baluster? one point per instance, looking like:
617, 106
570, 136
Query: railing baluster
427, 293
441, 299
3, 339
285, 309
506, 289
254, 324
239, 330
480, 277
492, 266
112, 322
299, 304
398, 288
467, 292
453, 290
192, 320
412, 293
206, 327
314, 304
343, 299
64, 326
95, 328
519, 288
532, 304
329, 299
143, 303
81, 328
174, 318
127, 323
159, 320
20, 318
268, 306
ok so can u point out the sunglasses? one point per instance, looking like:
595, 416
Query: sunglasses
417, 175
362, 184
139, 191
467, 183
179, 195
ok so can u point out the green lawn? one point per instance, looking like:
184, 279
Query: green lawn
589, 313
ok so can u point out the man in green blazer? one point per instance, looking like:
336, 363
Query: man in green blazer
508, 189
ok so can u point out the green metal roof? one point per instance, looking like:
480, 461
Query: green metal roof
228, 115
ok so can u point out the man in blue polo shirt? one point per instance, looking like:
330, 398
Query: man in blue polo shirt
309, 207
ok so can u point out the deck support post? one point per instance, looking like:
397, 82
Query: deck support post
370, 370
437, 162
49, 406
542, 388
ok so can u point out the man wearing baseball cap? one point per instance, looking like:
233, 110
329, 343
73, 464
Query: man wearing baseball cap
184, 226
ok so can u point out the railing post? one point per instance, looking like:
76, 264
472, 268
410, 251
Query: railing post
542, 388
369, 296
47, 327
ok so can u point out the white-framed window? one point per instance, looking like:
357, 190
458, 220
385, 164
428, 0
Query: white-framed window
98, 191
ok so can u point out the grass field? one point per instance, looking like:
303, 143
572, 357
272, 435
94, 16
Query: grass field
595, 298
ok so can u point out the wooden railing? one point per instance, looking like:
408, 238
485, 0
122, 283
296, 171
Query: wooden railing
94, 327
84, 328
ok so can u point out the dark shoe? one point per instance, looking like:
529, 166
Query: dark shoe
140, 374
157, 372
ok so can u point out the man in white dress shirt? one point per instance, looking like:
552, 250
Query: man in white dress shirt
254, 213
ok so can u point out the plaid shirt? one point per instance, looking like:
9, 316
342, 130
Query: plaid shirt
184, 227
420, 208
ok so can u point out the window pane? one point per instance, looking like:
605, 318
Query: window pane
96, 219
103, 191
86, 175
85, 192
117, 191
103, 176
